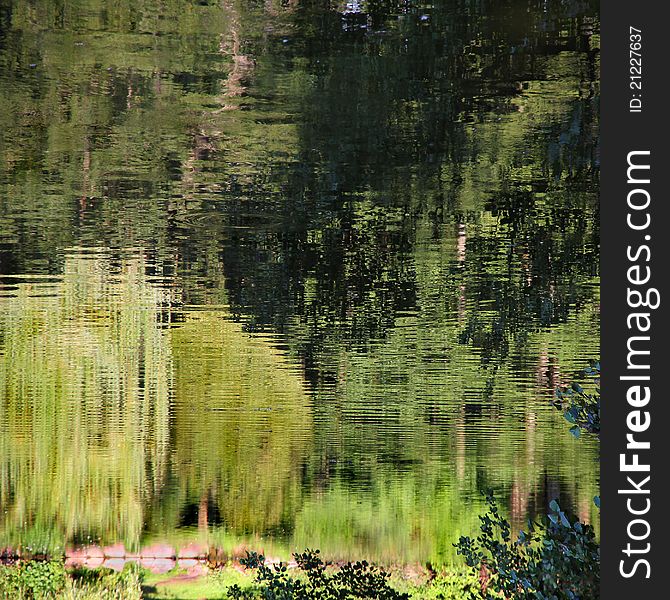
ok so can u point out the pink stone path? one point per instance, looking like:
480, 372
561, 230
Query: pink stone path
158, 558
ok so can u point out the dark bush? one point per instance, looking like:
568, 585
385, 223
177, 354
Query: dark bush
582, 408
317, 580
555, 560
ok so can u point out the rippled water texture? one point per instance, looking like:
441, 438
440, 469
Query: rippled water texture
293, 274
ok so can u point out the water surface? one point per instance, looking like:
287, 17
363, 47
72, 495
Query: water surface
293, 274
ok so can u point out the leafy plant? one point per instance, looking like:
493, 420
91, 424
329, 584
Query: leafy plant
555, 560
105, 584
318, 581
32, 579
581, 408
47, 580
449, 586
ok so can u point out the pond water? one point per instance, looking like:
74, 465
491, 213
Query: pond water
294, 274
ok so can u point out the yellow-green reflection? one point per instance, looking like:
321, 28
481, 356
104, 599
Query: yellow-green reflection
94, 384
242, 423
86, 373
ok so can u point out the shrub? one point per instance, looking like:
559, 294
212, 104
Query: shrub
104, 584
581, 408
556, 560
449, 586
318, 582
46, 580
32, 579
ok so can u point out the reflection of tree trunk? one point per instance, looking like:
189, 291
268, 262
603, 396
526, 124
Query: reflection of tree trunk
86, 168
526, 268
461, 242
235, 85
157, 83
243, 65
519, 502
237, 81
460, 444
202, 512
584, 510
531, 429
521, 488
202, 145
231, 44
460, 257
547, 372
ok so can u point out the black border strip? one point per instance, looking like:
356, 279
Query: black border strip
632, 120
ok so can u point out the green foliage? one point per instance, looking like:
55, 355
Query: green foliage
352, 580
32, 579
557, 560
580, 407
448, 586
105, 584
44, 580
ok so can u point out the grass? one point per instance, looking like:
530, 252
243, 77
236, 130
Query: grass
453, 585
46, 580
176, 585
37, 580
